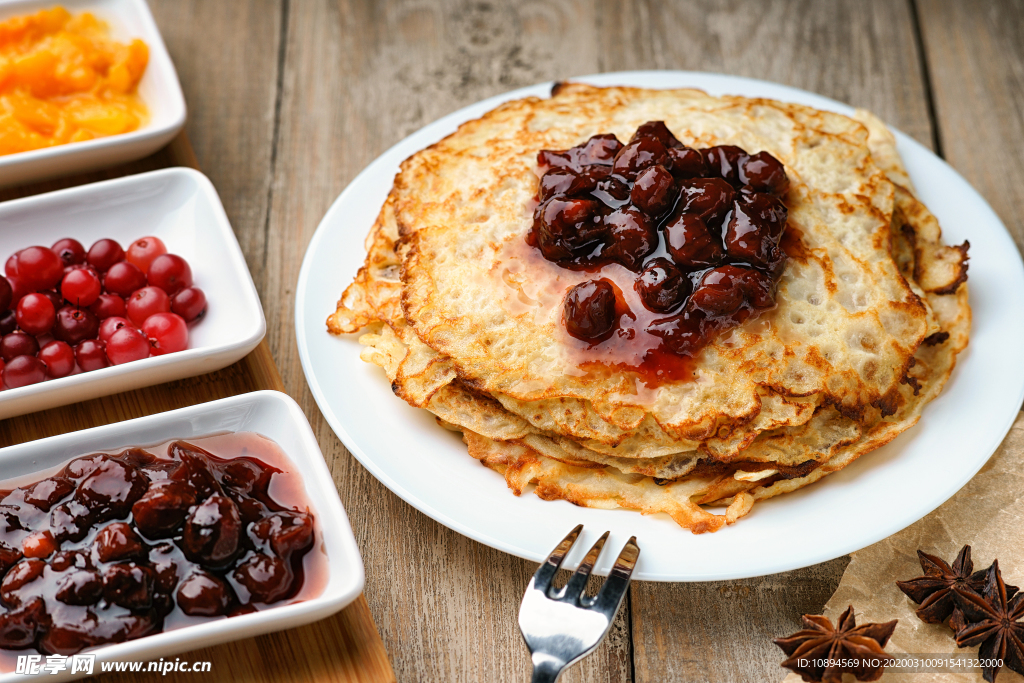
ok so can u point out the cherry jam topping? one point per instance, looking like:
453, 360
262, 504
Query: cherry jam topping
700, 229
115, 547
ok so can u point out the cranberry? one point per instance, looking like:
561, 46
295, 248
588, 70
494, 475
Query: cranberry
111, 489
631, 237
40, 268
765, 173
161, 512
17, 577
657, 130
203, 594
75, 325
724, 290
23, 371
567, 227
285, 533
38, 544
70, 251
17, 344
166, 332
19, 628
91, 355
6, 294
146, 302
725, 161
123, 278
111, 325
686, 162
19, 288
103, 254
600, 150
70, 521
126, 345
662, 286
268, 579
35, 314
11, 265
170, 273
709, 198
46, 493
212, 532
142, 251
589, 310
63, 560
754, 230
8, 322
81, 287
654, 192
80, 587
189, 303
109, 306
118, 541
691, 244
129, 585
638, 155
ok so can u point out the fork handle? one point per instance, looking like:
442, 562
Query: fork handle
545, 669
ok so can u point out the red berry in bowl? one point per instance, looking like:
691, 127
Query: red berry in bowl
55, 298
167, 333
11, 265
142, 251
146, 302
111, 325
104, 253
75, 325
189, 303
170, 273
59, 358
23, 371
123, 278
70, 251
81, 287
40, 268
6, 294
35, 314
19, 288
91, 355
18, 344
126, 345
8, 322
109, 306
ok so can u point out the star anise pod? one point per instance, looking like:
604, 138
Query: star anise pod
811, 648
993, 620
939, 590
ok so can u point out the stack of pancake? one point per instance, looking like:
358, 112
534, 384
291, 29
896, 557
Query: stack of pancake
465, 318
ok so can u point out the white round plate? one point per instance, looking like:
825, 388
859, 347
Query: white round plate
871, 499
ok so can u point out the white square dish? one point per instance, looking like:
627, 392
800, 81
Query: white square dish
159, 89
181, 207
270, 413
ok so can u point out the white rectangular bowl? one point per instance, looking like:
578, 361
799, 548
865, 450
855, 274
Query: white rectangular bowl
159, 89
270, 413
181, 207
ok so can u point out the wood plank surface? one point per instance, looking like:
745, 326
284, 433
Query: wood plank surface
975, 54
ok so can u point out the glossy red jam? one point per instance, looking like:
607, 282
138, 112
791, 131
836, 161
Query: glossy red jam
700, 231
117, 546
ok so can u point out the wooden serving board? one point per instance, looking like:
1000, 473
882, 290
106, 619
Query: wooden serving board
344, 648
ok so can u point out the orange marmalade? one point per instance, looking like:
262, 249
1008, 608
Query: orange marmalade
62, 79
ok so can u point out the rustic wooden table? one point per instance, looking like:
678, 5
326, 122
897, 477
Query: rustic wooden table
290, 99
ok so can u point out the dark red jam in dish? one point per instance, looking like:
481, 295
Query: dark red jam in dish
699, 229
117, 546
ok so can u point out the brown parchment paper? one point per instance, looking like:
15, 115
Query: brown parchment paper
987, 514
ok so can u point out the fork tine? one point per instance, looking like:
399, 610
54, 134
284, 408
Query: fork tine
547, 569
614, 588
578, 581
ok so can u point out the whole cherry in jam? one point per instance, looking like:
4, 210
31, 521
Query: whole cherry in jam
754, 229
657, 130
638, 155
687, 162
662, 287
598, 150
691, 244
589, 310
765, 173
709, 198
723, 290
654, 191
631, 237
567, 227
725, 161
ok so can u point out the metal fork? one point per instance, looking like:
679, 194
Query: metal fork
562, 627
